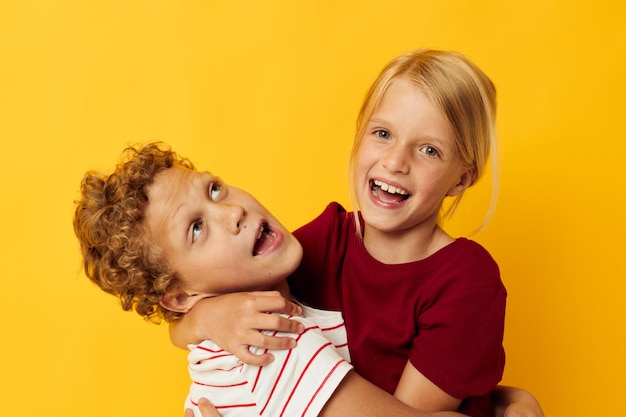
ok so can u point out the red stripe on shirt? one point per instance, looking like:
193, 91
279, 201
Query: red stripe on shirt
210, 358
206, 349
340, 325
280, 374
229, 405
258, 375
332, 371
326, 345
221, 386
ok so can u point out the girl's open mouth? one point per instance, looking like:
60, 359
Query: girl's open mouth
387, 193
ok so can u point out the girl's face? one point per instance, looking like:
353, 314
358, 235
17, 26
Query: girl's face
217, 238
406, 164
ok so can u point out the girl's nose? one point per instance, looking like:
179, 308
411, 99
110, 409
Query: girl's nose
396, 159
229, 216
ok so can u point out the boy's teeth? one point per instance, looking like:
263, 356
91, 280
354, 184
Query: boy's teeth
265, 229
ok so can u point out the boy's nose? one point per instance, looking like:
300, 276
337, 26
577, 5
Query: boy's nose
230, 217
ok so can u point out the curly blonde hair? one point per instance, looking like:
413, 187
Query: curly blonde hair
117, 251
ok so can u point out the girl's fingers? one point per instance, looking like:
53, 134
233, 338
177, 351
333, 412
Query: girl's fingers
273, 302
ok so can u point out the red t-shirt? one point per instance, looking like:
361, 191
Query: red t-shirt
444, 313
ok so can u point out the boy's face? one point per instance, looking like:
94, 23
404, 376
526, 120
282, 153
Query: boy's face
218, 238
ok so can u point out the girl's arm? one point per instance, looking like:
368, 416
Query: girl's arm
358, 397
419, 392
354, 397
233, 322
521, 404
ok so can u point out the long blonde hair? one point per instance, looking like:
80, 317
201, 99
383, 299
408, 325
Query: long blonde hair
466, 98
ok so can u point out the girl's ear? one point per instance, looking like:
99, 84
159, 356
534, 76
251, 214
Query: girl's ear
465, 181
180, 302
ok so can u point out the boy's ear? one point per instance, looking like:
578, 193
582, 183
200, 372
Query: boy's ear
465, 181
180, 302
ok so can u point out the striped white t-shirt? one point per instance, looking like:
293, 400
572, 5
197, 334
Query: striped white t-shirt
297, 383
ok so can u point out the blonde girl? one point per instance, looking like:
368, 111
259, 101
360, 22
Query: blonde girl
424, 311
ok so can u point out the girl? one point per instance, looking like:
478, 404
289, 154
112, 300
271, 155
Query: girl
424, 312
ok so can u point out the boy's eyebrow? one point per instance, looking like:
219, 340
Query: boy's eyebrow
179, 220
168, 225
208, 177
173, 220
175, 214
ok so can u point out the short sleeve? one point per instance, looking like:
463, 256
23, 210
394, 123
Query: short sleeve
298, 382
458, 343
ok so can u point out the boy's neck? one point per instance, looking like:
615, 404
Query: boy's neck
283, 288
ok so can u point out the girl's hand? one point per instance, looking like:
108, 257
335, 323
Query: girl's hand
234, 321
515, 402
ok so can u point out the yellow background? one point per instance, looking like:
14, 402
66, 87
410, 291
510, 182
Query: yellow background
265, 94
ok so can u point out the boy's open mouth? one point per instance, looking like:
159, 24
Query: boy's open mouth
264, 240
386, 193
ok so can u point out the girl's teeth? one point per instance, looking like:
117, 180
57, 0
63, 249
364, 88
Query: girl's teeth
391, 189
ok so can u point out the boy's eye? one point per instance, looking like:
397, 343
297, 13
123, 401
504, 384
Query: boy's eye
196, 230
215, 188
429, 150
383, 134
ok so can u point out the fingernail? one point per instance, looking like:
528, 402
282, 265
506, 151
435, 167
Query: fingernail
203, 401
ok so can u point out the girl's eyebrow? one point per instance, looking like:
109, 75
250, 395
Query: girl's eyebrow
376, 120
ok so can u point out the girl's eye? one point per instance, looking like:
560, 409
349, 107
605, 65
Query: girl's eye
383, 134
429, 150
196, 230
215, 188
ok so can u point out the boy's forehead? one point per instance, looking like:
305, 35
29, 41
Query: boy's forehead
174, 183
168, 184
180, 172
